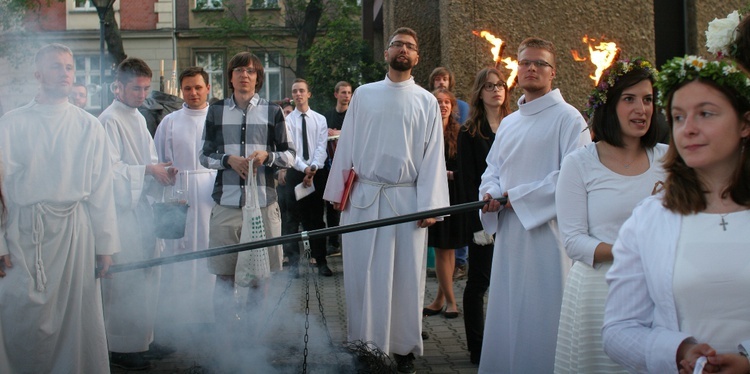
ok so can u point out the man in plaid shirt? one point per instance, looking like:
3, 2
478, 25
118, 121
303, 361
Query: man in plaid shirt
238, 129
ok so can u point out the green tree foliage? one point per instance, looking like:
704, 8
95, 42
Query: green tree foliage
340, 55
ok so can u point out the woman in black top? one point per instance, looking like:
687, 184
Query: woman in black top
488, 105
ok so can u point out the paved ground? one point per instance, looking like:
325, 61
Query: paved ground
272, 338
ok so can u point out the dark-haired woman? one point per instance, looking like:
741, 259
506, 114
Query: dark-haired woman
598, 187
489, 104
447, 235
678, 288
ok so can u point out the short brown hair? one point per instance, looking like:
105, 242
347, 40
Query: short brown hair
243, 59
441, 72
50, 48
341, 84
539, 43
192, 72
130, 68
404, 31
300, 80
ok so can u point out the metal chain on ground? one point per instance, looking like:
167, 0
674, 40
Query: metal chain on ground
306, 258
323, 317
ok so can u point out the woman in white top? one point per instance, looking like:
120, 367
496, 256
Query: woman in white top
598, 187
678, 288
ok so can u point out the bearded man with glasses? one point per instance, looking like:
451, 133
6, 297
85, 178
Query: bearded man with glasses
528, 266
392, 138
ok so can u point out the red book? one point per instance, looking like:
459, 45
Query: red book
347, 189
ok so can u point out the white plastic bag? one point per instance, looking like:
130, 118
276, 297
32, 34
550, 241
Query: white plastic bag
254, 264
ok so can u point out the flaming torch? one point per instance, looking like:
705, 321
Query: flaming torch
497, 54
601, 55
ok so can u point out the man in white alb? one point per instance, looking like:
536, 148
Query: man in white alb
392, 137
130, 298
525, 296
186, 286
59, 218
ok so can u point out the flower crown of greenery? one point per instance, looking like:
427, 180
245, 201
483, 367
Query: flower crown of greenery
689, 68
611, 76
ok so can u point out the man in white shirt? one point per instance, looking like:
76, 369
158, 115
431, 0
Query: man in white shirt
130, 298
309, 133
528, 266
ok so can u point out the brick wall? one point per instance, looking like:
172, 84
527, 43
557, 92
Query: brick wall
138, 15
49, 18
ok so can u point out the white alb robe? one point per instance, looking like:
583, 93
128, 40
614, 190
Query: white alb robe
187, 285
57, 187
525, 295
392, 136
130, 298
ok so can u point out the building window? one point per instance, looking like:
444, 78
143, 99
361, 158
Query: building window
213, 62
208, 4
87, 72
265, 4
84, 4
272, 83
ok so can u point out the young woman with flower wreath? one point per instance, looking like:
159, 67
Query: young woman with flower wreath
598, 187
678, 288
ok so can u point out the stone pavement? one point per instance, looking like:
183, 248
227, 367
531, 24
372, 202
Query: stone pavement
273, 339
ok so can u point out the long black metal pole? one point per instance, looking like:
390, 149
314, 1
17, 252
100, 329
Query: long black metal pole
412, 217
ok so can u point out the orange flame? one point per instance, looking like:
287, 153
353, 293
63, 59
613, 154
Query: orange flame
496, 42
601, 55
511, 65
497, 52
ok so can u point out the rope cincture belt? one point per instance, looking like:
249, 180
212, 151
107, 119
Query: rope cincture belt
293, 238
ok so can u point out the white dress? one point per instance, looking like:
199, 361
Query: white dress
592, 203
528, 265
57, 188
130, 297
186, 286
392, 136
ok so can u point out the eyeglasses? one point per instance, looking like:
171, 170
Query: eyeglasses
399, 44
249, 71
489, 86
537, 63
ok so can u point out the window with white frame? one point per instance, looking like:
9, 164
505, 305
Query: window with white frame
84, 4
88, 73
208, 4
272, 83
264, 4
213, 62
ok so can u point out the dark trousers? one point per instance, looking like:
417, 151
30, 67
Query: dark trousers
333, 216
480, 267
308, 212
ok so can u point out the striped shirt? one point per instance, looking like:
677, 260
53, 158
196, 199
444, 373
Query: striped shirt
229, 130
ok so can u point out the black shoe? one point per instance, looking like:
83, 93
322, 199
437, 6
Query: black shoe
430, 312
405, 364
129, 361
425, 335
157, 351
450, 315
334, 250
474, 357
325, 271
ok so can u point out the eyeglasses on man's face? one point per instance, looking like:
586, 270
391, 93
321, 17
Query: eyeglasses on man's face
537, 63
248, 71
399, 44
489, 86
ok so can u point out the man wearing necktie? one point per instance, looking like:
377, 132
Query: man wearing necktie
309, 132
